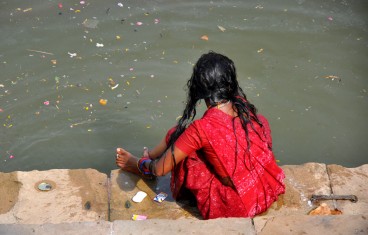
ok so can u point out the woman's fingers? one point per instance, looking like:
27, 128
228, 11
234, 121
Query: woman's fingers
145, 152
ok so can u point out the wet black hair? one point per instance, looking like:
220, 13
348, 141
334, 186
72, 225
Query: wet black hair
214, 79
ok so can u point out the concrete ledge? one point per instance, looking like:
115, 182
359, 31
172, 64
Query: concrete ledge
350, 181
76, 228
283, 225
125, 185
301, 182
186, 226
76, 196
84, 201
305, 224
155, 226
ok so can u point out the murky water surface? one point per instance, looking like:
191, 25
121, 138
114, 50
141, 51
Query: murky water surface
302, 63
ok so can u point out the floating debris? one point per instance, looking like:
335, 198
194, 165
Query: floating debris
221, 28
333, 77
42, 52
28, 9
103, 102
204, 37
90, 23
72, 54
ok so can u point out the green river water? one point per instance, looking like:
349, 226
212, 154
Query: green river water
303, 63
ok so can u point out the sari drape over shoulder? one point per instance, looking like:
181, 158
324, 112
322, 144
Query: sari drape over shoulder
218, 152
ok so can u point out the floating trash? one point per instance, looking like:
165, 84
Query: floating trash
72, 54
204, 37
90, 23
103, 102
221, 28
44, 186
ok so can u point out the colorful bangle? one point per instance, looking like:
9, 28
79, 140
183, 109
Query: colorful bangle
141, 166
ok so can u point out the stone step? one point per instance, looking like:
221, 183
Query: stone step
154, 226
282, 225
316, 225
86, 195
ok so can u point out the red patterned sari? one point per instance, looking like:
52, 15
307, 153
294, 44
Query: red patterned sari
217, 152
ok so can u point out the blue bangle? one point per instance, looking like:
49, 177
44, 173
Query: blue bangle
144, 170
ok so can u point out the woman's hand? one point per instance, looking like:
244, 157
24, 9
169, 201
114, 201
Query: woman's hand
146, 152
127, 161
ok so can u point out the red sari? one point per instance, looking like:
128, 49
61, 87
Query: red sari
214, 152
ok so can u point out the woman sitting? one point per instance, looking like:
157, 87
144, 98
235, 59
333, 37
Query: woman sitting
225, 158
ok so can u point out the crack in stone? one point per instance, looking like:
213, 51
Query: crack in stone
330, 185
268, 220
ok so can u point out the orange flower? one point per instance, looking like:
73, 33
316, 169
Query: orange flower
103, 102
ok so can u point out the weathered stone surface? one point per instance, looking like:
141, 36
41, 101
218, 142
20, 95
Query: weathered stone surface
79, 196
306, 224
301, 182
186, 226
66, 202
156, 226
80, 228
345, 181
9, 191
125, 185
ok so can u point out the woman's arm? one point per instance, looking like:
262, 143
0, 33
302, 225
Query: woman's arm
156, 151
167, 162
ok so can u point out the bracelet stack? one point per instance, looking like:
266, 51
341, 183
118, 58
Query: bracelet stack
142, 167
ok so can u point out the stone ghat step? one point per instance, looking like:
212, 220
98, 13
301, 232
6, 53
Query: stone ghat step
86, 195
283, 225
